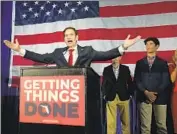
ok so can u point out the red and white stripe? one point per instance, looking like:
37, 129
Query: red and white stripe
117, 19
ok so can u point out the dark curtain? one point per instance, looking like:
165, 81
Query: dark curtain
9, 101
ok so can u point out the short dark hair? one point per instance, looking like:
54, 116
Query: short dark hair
75, 31
154, 39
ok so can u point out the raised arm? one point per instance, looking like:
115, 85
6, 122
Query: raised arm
113, 53
107, 55
43, 58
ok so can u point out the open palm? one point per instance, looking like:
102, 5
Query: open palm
129, 42
14, 46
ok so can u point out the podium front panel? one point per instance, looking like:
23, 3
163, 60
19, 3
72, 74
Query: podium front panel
93, 115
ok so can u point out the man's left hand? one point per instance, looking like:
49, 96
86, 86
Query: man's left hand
129, 42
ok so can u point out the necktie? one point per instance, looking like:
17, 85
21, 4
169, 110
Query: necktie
150, 61
70, 60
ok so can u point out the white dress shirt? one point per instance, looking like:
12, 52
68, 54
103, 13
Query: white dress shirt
75, 53
116, 71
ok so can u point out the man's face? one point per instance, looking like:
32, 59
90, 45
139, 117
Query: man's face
70, 38
117, 60
151, 47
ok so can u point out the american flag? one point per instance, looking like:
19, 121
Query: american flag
38, 26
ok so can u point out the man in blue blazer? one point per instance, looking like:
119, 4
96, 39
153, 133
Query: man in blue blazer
153, 81
73, 54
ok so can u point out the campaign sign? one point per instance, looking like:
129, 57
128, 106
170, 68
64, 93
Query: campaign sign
52, 100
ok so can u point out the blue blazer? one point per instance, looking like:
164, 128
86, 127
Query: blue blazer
156, 79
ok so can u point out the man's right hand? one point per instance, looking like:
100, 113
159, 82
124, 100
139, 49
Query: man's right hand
151, 96
14, 46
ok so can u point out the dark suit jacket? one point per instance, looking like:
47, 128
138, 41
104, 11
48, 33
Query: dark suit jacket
85, 56
156, 79
123, 86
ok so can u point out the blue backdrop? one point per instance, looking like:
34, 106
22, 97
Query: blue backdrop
6, 12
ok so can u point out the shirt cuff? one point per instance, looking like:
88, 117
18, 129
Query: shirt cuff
121, 50
22, 52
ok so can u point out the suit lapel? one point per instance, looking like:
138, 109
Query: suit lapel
120, 72
146, 63
154, 63
112, 73
79, 49
63, 51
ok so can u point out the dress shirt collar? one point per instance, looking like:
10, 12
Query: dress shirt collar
117, 68
151, 57
74, 48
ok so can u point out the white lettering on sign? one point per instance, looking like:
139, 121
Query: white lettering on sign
52, 84
52, 90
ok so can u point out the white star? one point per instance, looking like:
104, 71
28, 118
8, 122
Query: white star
73, 10
47, 13
59, 11
48, 1
79, 3
25, 4
66, 4
24, 16
54, 5
36, 15
36, 2
86, 8
42, 7
30, 9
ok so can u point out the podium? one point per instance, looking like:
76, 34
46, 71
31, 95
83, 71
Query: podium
92, 111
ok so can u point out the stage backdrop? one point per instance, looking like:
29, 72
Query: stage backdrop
104, 25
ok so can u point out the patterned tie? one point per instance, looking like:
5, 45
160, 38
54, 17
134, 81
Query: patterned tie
150, 61
70, 60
